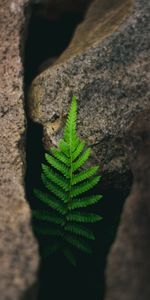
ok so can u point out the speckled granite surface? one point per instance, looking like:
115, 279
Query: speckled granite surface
128, 266
18, 248
111, 81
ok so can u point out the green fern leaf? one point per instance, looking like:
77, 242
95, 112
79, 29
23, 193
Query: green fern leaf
60, 156
50, 201
55, 178
78, 150
54, 189
85, 186
75, 144
64, 147
70, 128
83, 217
78, 243
84, 175
57, 165
84, 202
70, 136
80, 230
48, 216
81, 161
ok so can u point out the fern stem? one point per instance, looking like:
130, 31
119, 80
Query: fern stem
71, 169
70, 177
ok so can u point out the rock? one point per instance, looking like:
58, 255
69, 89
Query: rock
101, 20
108, 72
18, 248
128, 265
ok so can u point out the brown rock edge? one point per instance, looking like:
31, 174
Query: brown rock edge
18, 248
128, 270
102, 19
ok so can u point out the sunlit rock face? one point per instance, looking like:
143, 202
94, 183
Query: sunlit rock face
18, 248
105, 66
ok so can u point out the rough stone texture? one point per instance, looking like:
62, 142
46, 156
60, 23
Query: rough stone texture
102, 19
110, 79
128, 271
18, 248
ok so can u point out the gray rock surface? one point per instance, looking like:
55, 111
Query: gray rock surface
18, 248
110, 78
129, 263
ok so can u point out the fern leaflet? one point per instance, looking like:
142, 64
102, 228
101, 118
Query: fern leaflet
83, 217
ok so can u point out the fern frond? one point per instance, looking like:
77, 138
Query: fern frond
80, 230
78, 150
70, 128
57, 165
55, 177
64, 147
67, 184
50, 201
48, 216
84, 202
69, 255
78, 243
84, 187
75, 144
83, 217
84, 175
54, 189
60, 156
81, 161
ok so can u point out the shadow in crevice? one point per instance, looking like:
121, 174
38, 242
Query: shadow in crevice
48, 35
58, 279
34, 156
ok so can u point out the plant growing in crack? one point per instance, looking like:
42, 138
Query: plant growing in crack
65, 202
